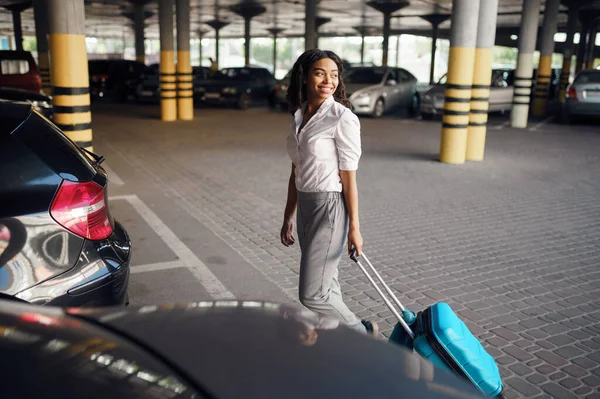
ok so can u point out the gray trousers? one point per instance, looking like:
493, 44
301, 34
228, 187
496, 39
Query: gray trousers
322, 222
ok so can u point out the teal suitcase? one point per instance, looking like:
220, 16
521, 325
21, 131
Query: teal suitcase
440, 336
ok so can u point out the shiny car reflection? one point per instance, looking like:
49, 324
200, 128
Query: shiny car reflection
59, 243
206, 349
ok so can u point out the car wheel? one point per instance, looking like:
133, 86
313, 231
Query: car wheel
379, 108
415, 106
243, 101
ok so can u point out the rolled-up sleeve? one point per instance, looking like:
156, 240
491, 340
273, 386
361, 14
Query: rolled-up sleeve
347, 141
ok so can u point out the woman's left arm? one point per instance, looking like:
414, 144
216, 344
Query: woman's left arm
350, 191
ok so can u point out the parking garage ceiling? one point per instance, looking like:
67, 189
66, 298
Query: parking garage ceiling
108, 18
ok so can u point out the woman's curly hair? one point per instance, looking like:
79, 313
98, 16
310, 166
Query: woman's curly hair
296, 93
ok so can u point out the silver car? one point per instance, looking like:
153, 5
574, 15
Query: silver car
376, 90
501, 94
583, 96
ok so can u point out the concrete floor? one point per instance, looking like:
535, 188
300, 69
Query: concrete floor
512, 243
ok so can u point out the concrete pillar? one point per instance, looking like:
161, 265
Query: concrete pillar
362, 48
217, 25
482, 78
168, 76
70, 78
591, 45
310, 25
583, 36
387, 8
275, 32
398, 51
140, 49
524, 71
544, 74
18, 29
201, 33
435, 20
457, 97
185, 85
568, 53
40, 14
248, 11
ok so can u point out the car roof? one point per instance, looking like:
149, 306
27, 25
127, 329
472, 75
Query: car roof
12, 114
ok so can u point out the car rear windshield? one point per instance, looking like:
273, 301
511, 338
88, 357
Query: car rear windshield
365, 76
98, 67
14, 67
588, 77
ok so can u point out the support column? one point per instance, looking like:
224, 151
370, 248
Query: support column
387, 8
568, 53
310, 25
140, 49
16, 10
201, 33
544, 74
482, 78
185, 85
589, 58
168, 76
40, 14
362, 48
398, 51
583, 35
457, 97
217, 25
247, 11
275, 32
524, 71
435, 20
70, 79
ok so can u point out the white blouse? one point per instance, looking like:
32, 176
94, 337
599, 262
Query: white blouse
328, 143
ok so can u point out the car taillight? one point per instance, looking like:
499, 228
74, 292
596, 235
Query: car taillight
571, 93
81, 208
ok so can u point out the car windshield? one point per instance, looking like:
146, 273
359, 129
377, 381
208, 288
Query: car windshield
365, 76
235, 74
588, 77
98, 67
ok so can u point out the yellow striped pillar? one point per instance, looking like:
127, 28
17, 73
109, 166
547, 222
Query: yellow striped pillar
40, 14
70, 79
185, 85
482, 76
168, 75
542, 86
524, 71
457, 98
568, 53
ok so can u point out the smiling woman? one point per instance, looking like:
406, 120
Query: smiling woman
324, 145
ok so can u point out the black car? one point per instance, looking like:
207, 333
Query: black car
148, 89
224, 349
116, 80
59, 244
41, 102
239, 87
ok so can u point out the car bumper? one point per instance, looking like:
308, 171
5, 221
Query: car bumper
431, 108
582, 108
218, 99
99, 278
363, 106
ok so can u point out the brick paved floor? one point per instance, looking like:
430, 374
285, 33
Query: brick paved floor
512, 243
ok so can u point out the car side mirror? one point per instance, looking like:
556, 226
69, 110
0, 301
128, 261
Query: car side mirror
391, 82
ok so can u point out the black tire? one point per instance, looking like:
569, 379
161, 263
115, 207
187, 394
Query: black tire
243, 101
378, 109
415, 106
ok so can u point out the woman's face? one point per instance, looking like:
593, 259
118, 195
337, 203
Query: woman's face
322, 79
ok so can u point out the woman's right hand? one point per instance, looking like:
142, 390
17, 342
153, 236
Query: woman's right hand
287, 232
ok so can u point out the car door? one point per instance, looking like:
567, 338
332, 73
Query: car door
407, 86
390, 89
501, 91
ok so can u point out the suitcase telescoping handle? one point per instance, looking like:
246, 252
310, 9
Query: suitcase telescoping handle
387, 288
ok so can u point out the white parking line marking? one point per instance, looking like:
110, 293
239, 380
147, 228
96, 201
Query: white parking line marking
112, 176
207, 279
542, 123
156, 266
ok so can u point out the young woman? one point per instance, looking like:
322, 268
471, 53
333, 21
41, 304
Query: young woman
324, 145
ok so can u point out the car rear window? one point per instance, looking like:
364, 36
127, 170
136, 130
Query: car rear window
98, 67
14, 67
365, 75
588, 77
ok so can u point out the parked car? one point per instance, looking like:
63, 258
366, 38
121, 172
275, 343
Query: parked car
19, 70
583, 96
281, 87
239, 87
501, 94
114, 79
59, 244
148, 88
39, 101
206, 349
377, 90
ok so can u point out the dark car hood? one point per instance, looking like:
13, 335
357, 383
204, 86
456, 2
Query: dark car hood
22, 95
262, 350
